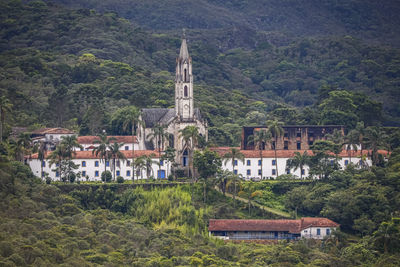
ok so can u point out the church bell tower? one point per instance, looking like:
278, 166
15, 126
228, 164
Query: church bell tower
184, 109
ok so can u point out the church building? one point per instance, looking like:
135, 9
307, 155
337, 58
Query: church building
175, 119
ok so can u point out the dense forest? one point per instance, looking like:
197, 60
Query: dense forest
63, 67
82, 64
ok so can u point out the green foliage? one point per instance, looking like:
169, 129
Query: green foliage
106, 176
120, 179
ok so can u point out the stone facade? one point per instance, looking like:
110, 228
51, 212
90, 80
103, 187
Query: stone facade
184, 114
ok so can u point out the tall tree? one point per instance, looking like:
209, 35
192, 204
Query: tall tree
148, 164
5, 107
260, 138
190, 136
133, 121
298, 161
57, 157
233, 155
276, 130
101, 150
250, 193
139, 165
352, 142
115, 154
338, 139
158, 135
375, 138
42, 150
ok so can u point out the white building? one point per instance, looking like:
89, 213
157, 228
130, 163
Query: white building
251, 167
92, 167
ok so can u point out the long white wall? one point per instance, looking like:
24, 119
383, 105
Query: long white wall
251, 167
93, 170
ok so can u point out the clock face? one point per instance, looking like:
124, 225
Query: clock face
186, 106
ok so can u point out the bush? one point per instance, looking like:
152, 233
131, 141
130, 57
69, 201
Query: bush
71, 177
120, 179
48, 180
106, 176
170, 177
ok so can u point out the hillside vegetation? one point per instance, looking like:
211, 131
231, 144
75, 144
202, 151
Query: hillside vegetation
63, 67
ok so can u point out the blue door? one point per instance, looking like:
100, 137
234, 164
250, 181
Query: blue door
161, 174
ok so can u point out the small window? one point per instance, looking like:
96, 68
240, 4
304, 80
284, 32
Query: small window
43, 163
128, 173
126, 147
318, 231
185, 91
259, 162
96, 163
285, 134
310, 134
118, 164
42, 174
298, 145
248, 162
128, 163
235, 171
328, 231
107, 163
82, 148
96, 173
259, 171
287, 171
235, 163
286, 145
161, 163
118, 173
57, 174
346, 162
332, 162
57, 164
83, 173
83, 163
303, 172
248, 172
310, 143
273, 162
298, 134
273, 172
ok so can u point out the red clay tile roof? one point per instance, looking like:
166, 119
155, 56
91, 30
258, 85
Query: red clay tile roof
287, 153
291, 226
118, 138
90, 155
53, 131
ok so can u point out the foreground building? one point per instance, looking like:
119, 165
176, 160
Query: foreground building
313, 228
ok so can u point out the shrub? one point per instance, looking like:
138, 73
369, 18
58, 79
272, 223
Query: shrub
71, 177
120, 179
106, 176
170, 177
48, 180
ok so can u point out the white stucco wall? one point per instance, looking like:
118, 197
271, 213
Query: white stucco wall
268, 167
91, 169
128, 145
311, 232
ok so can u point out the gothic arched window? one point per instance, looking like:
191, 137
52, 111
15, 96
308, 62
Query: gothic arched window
185, 76
185, 91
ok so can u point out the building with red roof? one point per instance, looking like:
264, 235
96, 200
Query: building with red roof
315, 228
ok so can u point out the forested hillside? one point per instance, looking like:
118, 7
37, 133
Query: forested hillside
62, 67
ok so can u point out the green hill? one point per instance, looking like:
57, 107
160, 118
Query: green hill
75, 68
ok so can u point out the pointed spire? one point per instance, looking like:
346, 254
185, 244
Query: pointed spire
184, 53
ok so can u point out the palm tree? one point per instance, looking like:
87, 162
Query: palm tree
298, 161
259, 139
23, 145
115, 154
139, 164
359, 135
42, 149
250, 193
148, 160
352, 142
101, 150
5, 107
57, 157
169, 156
190, 136
159, 135
133, 121
233, 155
374, 139
70, 142
276, 130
